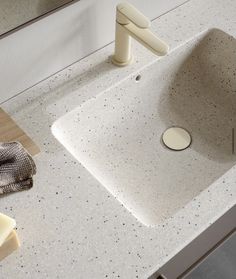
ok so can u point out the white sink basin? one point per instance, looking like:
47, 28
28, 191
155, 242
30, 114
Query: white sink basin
117, 136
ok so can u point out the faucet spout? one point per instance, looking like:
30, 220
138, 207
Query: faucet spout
148, 39
131, 23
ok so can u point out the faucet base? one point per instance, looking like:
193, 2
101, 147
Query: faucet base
121, 64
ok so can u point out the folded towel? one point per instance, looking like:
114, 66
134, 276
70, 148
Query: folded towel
16, 168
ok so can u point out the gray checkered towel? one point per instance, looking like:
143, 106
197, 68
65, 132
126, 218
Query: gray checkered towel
16, 168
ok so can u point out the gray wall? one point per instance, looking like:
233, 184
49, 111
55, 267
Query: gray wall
16, 12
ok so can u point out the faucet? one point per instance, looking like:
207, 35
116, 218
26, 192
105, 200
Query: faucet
130, 22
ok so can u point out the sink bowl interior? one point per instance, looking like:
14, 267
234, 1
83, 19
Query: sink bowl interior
117, 135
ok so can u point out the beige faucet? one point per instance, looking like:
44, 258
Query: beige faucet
130, 22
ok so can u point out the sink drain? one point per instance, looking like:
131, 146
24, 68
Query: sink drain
176, 138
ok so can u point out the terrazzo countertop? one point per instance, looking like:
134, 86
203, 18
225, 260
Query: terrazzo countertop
69, 224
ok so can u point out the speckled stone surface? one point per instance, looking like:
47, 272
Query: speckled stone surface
69, 225
117, 135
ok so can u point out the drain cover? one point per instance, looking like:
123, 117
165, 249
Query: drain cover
176, 138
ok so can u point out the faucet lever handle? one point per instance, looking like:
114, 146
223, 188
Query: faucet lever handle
126, 13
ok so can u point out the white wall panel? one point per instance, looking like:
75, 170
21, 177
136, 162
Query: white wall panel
39, 50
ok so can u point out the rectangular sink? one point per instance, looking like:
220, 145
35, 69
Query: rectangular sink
117, 136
